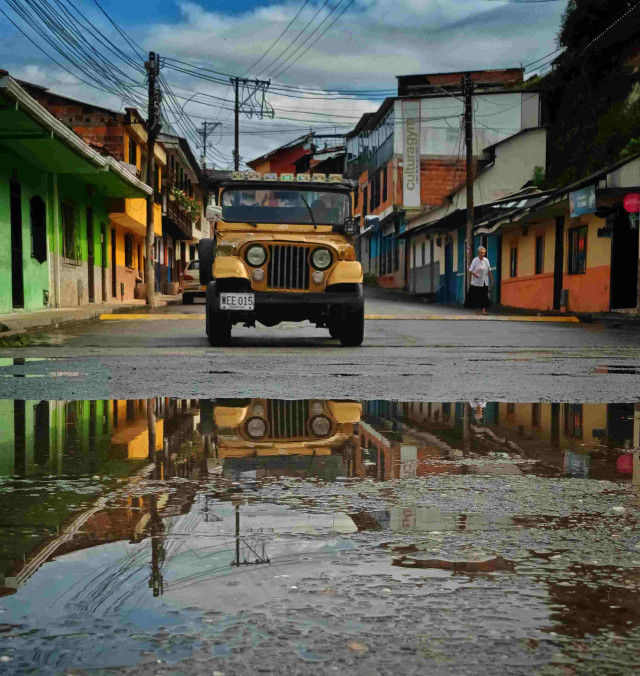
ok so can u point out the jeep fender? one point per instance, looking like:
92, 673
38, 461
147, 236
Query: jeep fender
345, 272
225, 267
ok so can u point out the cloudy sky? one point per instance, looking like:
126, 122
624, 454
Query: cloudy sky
329, 45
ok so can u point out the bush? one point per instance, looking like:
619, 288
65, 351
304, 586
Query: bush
370, 279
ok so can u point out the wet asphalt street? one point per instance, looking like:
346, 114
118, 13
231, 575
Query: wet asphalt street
404, 359
457, 496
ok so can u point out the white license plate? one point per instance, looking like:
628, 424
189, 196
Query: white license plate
237, 301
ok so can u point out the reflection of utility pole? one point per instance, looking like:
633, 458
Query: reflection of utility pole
151, 425
156, 529
247, 546
466, 428
467, 90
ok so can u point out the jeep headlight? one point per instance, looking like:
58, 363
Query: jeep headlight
256, 428
256, 255
321, 259
351, 227
321, 426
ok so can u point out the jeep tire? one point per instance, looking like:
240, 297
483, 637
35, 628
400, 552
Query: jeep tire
217, 323
351, 330
206, 250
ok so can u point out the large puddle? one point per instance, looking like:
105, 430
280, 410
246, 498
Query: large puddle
314, 536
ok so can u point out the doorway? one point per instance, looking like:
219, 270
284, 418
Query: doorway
624, 263
104, 259
449, 279
113, 263
558, 265
90, 256
17, 274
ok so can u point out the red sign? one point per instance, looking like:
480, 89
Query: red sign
632, 202
624, 464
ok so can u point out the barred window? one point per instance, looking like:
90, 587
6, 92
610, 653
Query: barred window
577, 250
573, 420
132, 152
128, 250
70, 238
513, 262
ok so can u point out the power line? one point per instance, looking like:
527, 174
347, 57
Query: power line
324, 4
273, 44
282, 67
281, 72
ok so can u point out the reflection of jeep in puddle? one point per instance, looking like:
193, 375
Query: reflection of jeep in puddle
276, 437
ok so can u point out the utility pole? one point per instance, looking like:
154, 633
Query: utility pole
236, 146
153, 129
207, 128
252, 104
467, 90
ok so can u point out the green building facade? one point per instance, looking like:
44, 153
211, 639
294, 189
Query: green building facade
55, 193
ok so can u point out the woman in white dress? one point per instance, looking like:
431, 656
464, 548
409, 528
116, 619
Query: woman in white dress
478, 293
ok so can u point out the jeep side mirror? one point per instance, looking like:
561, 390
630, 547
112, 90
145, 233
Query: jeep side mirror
371, 222
213, 212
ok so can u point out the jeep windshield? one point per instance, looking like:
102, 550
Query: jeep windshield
265, 205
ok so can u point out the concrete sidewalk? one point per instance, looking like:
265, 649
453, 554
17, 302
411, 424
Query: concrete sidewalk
400, 296
21, 322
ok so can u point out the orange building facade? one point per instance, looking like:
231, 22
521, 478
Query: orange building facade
555, 257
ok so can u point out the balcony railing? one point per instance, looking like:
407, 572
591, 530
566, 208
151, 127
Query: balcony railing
381, 156
181, 219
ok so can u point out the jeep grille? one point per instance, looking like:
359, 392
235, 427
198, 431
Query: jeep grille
288, 419
288, 267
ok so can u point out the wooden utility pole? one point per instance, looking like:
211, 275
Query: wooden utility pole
467, 90
153, 129
253, 103
207, 128
236, 147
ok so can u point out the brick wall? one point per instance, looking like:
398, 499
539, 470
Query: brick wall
439, 178
93, 125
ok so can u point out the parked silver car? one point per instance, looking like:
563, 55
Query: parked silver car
190, 281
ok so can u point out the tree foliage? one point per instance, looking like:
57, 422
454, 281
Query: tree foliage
592, 103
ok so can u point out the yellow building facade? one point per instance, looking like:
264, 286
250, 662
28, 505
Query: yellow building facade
129, 218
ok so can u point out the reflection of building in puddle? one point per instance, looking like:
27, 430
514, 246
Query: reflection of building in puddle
427, 519
257, 438
577, 439
75, 438
391, 448
130, 436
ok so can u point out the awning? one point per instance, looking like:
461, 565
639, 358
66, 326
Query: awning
31, 132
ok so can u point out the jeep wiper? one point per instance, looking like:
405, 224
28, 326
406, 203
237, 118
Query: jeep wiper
313, 220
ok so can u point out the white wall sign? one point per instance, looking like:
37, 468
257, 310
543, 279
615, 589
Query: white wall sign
411, 154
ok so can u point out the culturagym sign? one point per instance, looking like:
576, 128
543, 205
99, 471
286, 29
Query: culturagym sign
411, 156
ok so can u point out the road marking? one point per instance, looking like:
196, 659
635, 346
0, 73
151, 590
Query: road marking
483, 318
422, 318
148, 317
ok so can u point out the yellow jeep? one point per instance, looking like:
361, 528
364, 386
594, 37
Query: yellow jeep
283, 250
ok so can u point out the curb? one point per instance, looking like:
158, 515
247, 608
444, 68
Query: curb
53, 319
427, 299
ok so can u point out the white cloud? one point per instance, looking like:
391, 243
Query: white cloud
374, 41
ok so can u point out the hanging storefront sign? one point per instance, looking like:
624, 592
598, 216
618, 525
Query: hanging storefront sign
411, 154
583, 201
631, 202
